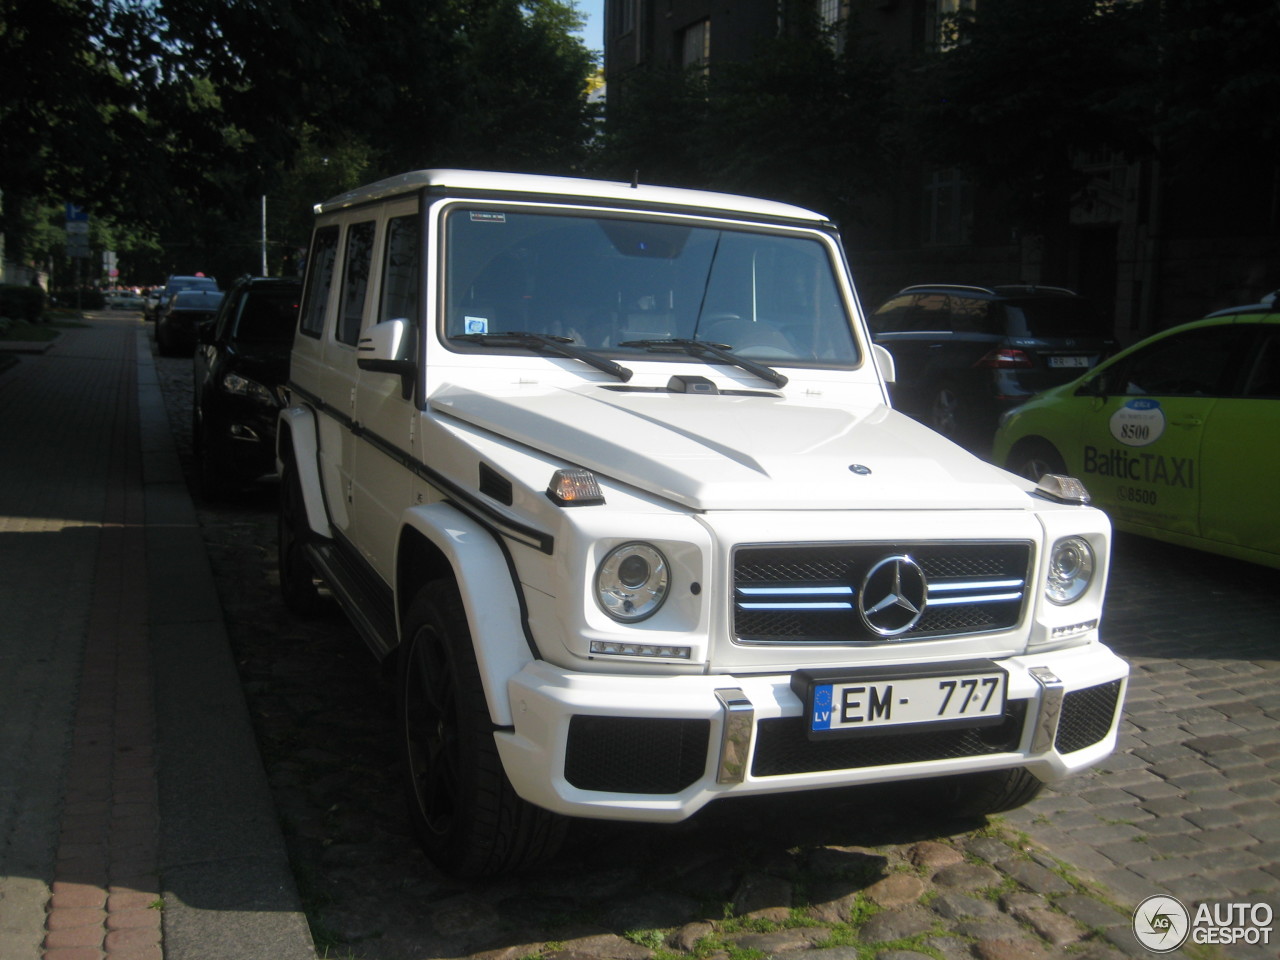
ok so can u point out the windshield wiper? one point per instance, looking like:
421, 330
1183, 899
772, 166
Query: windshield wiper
561, 345
721, 351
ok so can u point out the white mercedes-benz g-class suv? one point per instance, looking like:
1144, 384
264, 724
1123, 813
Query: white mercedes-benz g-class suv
610, 475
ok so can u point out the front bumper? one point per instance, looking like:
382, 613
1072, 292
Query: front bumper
661, 748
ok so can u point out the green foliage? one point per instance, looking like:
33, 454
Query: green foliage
178, 117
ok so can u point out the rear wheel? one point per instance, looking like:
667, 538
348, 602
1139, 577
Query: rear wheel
298, 582
467, 816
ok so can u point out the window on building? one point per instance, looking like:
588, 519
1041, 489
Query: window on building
624, 16
830, 14
948, 208
695, 50
944, 28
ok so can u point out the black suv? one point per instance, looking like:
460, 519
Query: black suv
964, 354
241, 364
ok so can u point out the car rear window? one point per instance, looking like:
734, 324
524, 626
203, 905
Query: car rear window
197, 300
1065, 317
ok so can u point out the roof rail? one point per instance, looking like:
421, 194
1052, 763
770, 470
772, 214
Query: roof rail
947, 286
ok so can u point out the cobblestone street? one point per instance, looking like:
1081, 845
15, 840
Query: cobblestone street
1189, 805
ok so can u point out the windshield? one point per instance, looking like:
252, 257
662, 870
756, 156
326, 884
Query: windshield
613, 285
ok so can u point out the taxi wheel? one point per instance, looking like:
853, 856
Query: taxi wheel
1034, 458
946, 412
972, 795
467, 816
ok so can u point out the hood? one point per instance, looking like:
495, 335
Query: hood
759, 452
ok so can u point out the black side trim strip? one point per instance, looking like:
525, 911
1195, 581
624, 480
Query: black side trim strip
463, 499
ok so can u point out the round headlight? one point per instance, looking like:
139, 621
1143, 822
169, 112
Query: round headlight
1070, 570
632, 581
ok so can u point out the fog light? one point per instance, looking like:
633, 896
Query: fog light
659, 651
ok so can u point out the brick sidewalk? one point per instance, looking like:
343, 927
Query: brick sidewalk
112, 844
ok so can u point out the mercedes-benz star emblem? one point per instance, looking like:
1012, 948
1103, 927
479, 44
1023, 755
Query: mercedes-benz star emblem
893, 596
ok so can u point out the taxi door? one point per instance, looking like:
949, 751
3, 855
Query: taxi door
1142, 444
1240, 499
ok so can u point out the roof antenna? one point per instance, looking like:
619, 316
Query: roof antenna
635, 179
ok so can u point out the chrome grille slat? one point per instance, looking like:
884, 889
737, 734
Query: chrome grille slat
807, 593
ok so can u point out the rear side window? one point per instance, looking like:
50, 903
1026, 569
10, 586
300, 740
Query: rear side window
1195, 363
355, 281
400, 270
324, 250
1264, 377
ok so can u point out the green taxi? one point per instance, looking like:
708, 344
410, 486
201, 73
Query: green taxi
1176, 437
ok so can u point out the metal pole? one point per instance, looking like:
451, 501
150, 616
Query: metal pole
264, 234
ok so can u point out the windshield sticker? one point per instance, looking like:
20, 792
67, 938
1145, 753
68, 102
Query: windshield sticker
475, 325
1138, 423
481, 216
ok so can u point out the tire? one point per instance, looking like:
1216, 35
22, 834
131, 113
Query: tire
298, 582
972, 795
468, 818
1032, 459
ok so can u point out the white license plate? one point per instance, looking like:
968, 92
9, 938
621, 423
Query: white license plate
1069, 361
847, 706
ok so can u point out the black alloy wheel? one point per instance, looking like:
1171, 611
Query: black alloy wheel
467, 816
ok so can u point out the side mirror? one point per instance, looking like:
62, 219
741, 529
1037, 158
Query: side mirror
884, 363
205, 331
384, 350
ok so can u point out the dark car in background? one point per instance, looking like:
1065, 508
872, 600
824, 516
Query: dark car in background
241, 364
154, 306
965, 354
179, 317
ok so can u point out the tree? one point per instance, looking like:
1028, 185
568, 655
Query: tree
66, 126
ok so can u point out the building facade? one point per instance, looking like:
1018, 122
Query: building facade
1149, 249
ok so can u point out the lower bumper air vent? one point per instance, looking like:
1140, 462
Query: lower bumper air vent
635, 754
1087, 716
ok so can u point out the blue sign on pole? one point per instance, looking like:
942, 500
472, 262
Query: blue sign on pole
76, 213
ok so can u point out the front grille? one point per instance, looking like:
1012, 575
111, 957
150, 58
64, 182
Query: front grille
1086, 716
809, 593
635, 754
783, 747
